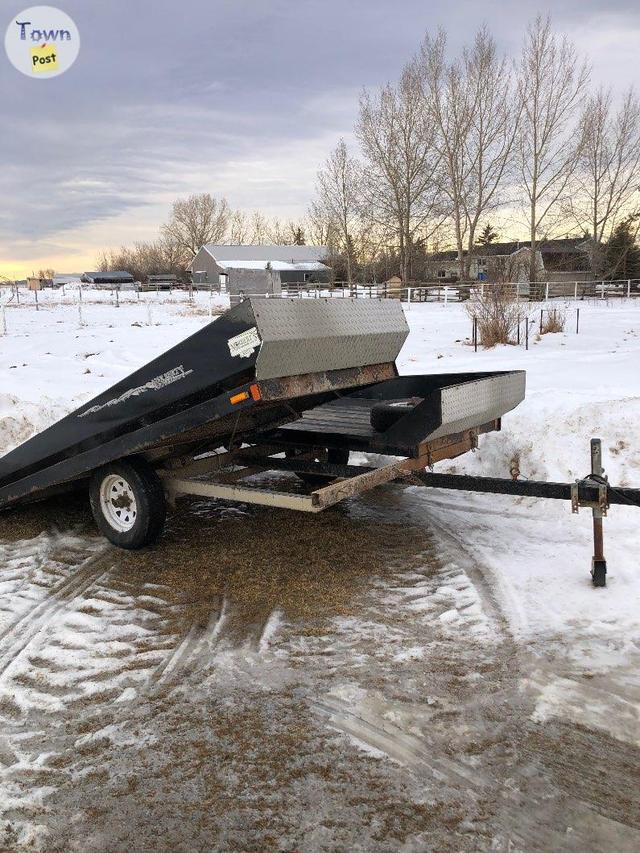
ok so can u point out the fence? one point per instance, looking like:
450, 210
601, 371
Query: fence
463, 291
210, 299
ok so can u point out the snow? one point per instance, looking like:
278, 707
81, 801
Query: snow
535, 554
279, 266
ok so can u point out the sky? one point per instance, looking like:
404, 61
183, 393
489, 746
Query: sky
240, 98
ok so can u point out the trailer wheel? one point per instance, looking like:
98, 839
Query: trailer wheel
332, 455
128, 503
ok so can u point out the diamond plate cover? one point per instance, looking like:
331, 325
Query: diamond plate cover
311, 335
473, 403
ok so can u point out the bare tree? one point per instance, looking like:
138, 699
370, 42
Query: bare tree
277, 231
400, 175
259, 228
551, 86
472, 105
144, 259
608, 181
197, 220
339, 197
320, 227
239, 228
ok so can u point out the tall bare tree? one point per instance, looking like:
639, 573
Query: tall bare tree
278, 231
400, 174
339, 197
552, 81
258, 228
197, 220
320, 228
239, 228
472, 105
608, 181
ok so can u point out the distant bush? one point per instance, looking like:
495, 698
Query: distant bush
498, 315
553, 322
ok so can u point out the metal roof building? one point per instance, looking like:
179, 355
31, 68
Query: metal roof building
281, 264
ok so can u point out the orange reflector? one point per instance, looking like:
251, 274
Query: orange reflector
255, 392
238, 398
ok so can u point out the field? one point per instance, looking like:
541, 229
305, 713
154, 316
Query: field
415, 669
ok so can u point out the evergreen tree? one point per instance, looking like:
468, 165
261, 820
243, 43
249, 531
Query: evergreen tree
622, 252
298, 236
487, 235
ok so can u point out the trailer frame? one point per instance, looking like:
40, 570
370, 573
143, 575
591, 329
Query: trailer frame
181, 477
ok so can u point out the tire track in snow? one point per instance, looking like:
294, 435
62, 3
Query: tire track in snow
418, 755
186, 656
198, 647
16, 637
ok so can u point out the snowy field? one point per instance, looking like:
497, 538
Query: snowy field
578, 386
467, 667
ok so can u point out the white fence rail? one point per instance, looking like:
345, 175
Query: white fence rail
209, 300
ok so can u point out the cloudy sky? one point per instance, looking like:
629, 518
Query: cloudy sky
242, 98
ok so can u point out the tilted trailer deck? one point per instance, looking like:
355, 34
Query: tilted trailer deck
272, 385
301, 379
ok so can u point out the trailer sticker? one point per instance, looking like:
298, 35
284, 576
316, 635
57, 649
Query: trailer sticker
244, 344
155, 384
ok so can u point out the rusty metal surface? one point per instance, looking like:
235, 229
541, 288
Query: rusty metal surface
306, 384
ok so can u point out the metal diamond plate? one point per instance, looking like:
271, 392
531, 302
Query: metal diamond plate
310, 335
469, 404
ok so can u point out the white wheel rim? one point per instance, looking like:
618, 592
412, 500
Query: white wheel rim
118, 503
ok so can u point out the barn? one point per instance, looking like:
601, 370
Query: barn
256, 269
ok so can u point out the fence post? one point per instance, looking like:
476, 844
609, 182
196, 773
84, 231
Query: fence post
408, 297
541, 313
577, 321
446, 295
80, 320
35, 293
546, 292
526, 333
4, 320
575, 292
628, 288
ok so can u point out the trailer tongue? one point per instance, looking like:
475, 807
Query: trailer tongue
273, 384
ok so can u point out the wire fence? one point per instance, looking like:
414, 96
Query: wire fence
211, 299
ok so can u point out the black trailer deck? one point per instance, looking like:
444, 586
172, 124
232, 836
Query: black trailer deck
439, 405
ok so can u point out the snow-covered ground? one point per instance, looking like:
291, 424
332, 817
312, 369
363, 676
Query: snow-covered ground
578, 386
469, 652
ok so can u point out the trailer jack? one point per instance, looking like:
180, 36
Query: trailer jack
594, 492
599, 509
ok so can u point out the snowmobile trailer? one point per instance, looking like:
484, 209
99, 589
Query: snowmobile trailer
289, 385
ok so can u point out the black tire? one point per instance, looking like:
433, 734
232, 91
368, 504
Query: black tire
146, 487
332, 455
385, 415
